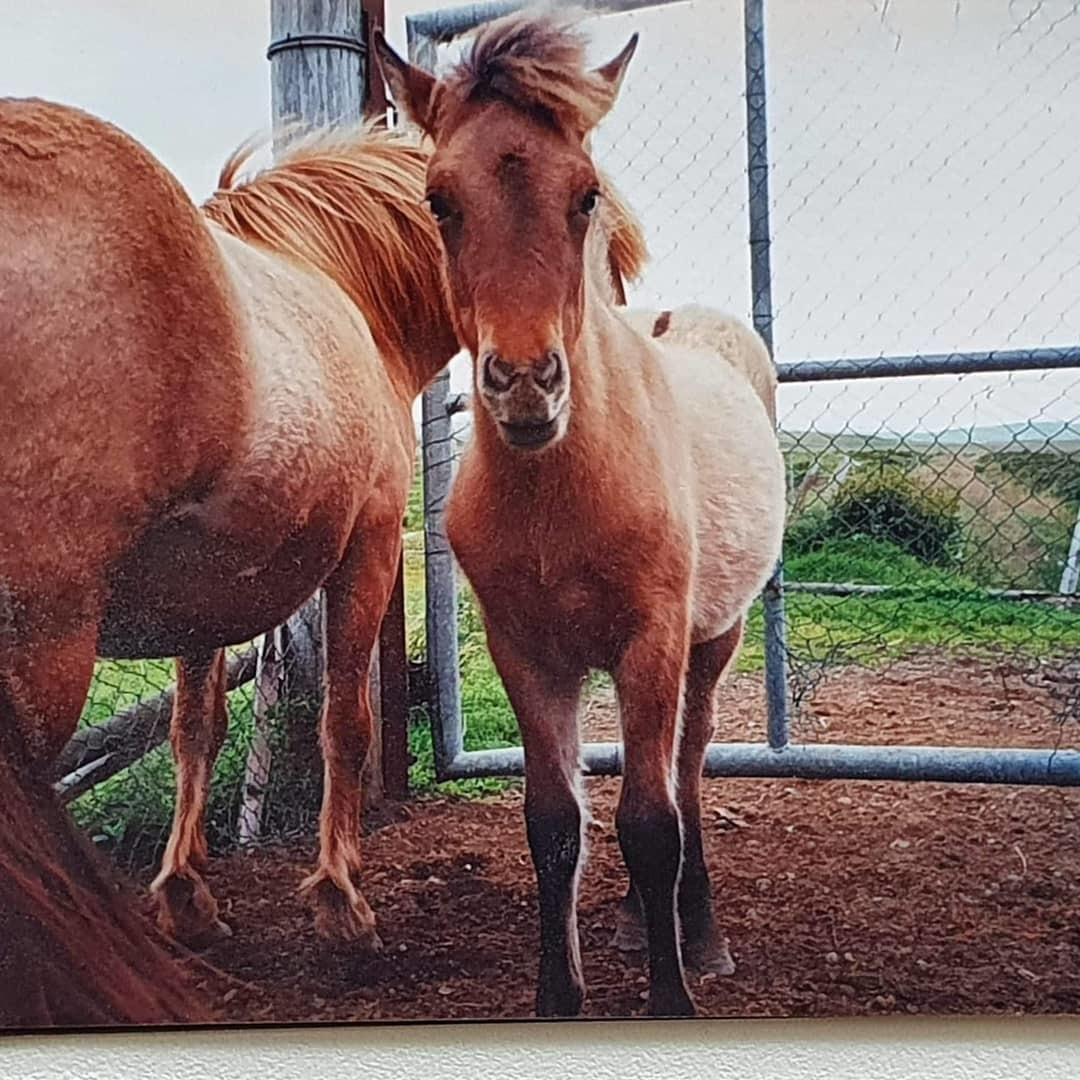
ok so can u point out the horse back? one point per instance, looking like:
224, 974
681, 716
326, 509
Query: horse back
715, 333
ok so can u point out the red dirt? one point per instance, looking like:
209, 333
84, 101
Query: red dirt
839, 898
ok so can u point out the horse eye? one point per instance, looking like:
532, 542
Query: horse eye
589, 201
440, 207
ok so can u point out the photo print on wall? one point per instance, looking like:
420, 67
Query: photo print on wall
580, 519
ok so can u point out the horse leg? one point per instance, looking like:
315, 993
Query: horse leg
546, 708
357, 596
187, 910
45, 672
629, 934
706, 948
649, 681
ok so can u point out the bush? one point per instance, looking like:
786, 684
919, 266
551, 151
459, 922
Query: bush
884, 503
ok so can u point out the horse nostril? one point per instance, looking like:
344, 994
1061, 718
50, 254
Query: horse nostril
498, 374
548, 373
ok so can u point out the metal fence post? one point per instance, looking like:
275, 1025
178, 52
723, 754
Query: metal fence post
440, 580
441, 624
757, 172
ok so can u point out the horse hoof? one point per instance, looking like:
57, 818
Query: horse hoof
671, 1004
341, 917
210, 935
187, 911
565, 1001
710, 957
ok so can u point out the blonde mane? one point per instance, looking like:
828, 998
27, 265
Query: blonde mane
352, 205
624, 239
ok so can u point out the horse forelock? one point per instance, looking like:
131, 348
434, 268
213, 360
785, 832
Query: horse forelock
535, 60
349, 203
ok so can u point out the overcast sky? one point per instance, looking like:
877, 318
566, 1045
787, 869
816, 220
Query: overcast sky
926, 184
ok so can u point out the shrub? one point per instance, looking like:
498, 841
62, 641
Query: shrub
887, 504
884, 503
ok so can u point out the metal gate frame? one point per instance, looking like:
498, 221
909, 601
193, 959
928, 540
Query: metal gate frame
778, 756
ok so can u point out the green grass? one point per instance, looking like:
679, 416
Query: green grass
930, 609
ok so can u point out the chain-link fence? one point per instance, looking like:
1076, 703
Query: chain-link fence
924, 201
923, 221
118, 774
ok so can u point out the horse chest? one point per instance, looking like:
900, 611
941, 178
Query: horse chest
578, 619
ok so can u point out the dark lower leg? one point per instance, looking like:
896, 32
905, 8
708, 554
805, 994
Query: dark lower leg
649, 836
706, 947
553, 822
545, 704
649, 682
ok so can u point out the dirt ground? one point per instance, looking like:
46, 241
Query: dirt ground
839, 898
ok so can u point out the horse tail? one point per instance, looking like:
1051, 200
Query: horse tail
74, 953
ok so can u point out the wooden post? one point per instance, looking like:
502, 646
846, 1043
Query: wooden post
316, 62
375, 100
394, 693
317, 56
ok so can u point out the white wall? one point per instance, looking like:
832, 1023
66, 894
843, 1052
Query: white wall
997, 1049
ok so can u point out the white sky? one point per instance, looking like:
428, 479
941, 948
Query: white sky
926, 184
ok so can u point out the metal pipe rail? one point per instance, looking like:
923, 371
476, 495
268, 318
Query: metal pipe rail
822, 761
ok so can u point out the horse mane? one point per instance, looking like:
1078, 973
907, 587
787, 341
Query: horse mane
351, 204
535, 60
624, 239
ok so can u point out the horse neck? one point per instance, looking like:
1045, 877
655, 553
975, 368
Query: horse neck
418, 355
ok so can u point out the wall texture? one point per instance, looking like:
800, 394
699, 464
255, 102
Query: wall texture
859, 1050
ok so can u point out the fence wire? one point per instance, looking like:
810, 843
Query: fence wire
925, 198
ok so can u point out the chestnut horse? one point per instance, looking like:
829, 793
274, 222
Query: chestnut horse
204, 417
621, 502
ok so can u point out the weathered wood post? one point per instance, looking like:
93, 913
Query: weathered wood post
317, 80
393, 662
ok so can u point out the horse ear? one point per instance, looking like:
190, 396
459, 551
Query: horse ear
614, 71
410, 87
